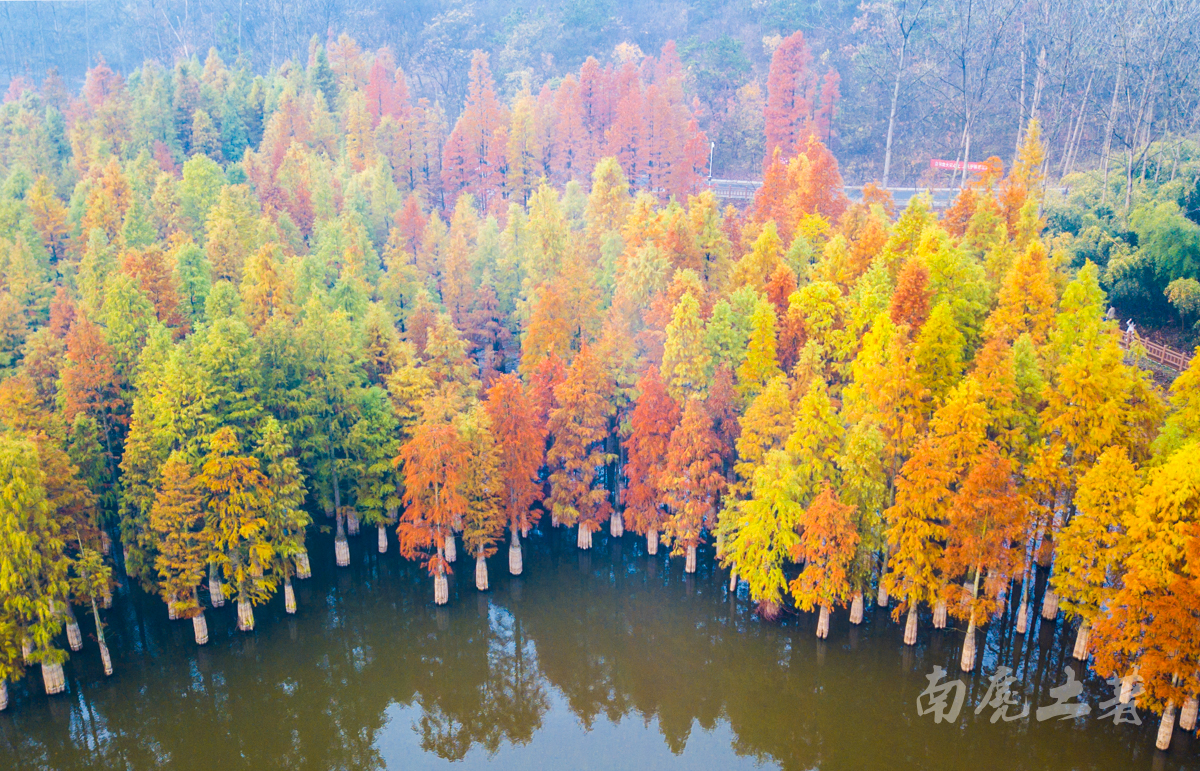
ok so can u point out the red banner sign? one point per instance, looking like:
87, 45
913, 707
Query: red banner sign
938, 163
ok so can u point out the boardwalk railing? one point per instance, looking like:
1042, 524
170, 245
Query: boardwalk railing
1163, 354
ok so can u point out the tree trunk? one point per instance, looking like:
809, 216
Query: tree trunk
106, 660
26, 650
451, 548
303, 566
881, 599
968, 654
352, 525
53, 678
289, 596
216, 594
341, 551
733, 582
939, 615
1050, 605
245, 616
856, 609
1023, 617
1108, 132
441, 589
652, 542
515, 563
104, 657
887, 152
74, 638
383, 538
1081, 642
823, 623
616, 525
583, 538
1127, 684
172, 611
910, 627
200, 629
106, 600
481, 576
3, 695
1187, 716
689, 565
1166, 727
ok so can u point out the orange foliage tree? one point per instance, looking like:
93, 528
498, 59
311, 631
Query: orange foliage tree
435, 466
521, 442
654, 418
828, 541
579, 424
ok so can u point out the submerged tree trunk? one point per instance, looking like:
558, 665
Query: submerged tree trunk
303, 566
245, 615
53, 678
910, 627
652, 542
74, 638
200, 628
1050, 605
616, 525
216, 594
289, 596
1187, 715
881, 599
968, 654
856, 608
441, 588
383, 544
1127, 683
583, 538
1081, 642
689, 565
939, 615
341, 551
481, 574
823, 623
105, 658
1166, 727
515, 563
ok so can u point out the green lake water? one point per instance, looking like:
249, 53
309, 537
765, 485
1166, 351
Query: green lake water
606, 660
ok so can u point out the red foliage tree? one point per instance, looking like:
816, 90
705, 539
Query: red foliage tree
652, 422
521, 442
693, 481
387, 90
474, 156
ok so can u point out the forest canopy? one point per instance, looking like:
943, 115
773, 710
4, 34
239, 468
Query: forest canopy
241, 302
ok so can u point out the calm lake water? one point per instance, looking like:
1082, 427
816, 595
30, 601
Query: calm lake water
604, 660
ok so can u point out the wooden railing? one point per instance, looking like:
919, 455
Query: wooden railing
1163, 354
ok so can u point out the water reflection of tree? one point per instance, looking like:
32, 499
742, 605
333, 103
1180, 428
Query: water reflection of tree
485, 689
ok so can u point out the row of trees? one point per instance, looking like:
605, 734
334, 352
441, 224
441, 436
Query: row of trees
1112, 83
845, 398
